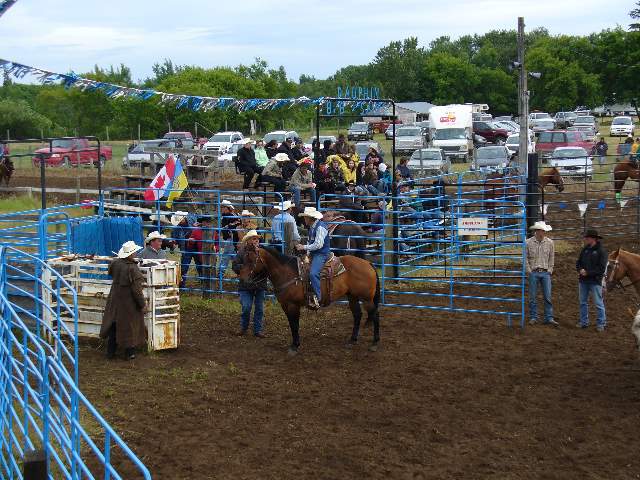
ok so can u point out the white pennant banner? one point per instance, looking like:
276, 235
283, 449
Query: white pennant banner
623, 203
583, 208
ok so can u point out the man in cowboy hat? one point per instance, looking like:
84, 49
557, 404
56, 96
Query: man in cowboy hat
247, 163
272, 173
591, 265
319, 249
183, 230
153, 247
123, 319
302, 181
229, 225
539, 266
281, 219
251, 292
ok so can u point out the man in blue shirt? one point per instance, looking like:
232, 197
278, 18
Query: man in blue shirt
280, 220
319, 249
184, 224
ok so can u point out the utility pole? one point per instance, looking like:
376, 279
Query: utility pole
523, 102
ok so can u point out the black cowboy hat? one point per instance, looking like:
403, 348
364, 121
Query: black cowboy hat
592, 234
205, 219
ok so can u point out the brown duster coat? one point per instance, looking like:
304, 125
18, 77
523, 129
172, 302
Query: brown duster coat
125, 304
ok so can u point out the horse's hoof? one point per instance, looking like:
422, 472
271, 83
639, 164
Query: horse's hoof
373, 347
292, 352
350, 344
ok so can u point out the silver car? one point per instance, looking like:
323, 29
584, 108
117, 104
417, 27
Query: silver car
428, 162
491, 158
586, 124
409, 139
572, 162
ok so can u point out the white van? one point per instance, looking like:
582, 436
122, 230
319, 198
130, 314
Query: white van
621, 127
451, 130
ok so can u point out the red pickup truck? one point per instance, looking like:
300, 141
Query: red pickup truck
549, 140
71, 152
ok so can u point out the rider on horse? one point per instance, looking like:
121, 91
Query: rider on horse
318, 247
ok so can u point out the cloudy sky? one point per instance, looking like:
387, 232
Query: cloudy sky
75, 35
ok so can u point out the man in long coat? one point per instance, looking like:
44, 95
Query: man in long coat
123, 319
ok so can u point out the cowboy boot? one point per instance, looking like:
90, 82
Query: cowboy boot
313, 303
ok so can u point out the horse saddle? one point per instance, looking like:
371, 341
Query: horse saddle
332, 268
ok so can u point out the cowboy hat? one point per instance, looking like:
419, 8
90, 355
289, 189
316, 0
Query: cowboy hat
284, 206
128, 249
154, 235
177, 218
592, 234
251, 234
311, 212
281, 157
227, 203
540, 226
305, 161
247, 213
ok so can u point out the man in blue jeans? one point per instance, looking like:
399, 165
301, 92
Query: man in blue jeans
591, 266
539, 267
318, 248
251, 292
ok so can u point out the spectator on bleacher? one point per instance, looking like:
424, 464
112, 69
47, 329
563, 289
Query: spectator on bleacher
377, 219
281, 219
261, 155
341, 147
302, 181
373, 156
404, 173
229, 225
326, 151
324, 180
271, 148
353, 155
370, 180
351, 205
247, 164
349, 171
272, 173
360, 172
384, 178
153, 247
297, 151
335, 171
247, 223
286, 147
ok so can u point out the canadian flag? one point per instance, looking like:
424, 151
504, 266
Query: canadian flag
162, 181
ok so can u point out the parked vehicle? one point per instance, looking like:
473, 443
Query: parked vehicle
72, 152
382, 125
231, 155
409, 139
280, 135
491, 158
138, 154
504, 118
543, 126
572, 162
183, 138
582, 111
388, 133
535, 117
513, 144
548, 141
221, 142
427, 162
511, 127
586, 124
492, 132
565, 119
362, 149
621, 127
360, 131
451, 130
479, 141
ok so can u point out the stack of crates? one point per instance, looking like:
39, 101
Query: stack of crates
89, 277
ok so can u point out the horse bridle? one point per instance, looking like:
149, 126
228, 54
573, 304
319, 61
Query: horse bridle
255, 262
616, 283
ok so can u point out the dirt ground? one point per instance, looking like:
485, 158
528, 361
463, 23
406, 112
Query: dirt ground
445, 397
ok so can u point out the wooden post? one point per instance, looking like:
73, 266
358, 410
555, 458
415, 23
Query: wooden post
77, 190
35, 465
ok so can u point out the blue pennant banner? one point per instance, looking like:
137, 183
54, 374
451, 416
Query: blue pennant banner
6, 5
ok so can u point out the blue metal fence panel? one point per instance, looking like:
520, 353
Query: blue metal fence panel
103, 236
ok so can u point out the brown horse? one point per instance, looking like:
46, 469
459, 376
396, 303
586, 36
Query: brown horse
621, 172
6, 170
359, 283
623, 264
551, 176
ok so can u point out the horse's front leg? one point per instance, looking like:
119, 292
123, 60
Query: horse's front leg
293, 315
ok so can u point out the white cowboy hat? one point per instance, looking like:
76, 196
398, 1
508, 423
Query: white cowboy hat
250, 234
177, 217
247, 213
284, 206
281, 157
540, 226
311, 212
227, 203
153, 235
128, 249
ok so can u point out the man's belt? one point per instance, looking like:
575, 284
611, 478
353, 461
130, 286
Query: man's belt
538, 270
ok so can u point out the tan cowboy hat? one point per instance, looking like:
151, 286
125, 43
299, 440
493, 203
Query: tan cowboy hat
128, 249
311, 212
247, 213
281, 157
153, 235
284, 206
177, 217
541, 226
251, 234
227, 203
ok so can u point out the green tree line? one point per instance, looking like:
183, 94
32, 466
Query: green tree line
576, 70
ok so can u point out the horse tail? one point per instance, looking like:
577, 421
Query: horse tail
376, 296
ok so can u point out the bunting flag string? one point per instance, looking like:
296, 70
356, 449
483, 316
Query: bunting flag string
192, 102
6, 5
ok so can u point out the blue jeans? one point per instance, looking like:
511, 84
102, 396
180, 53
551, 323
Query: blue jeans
595, 289
248, 299
382, 186
227, 251
317, 262
185, 263
543, 278
296, 194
